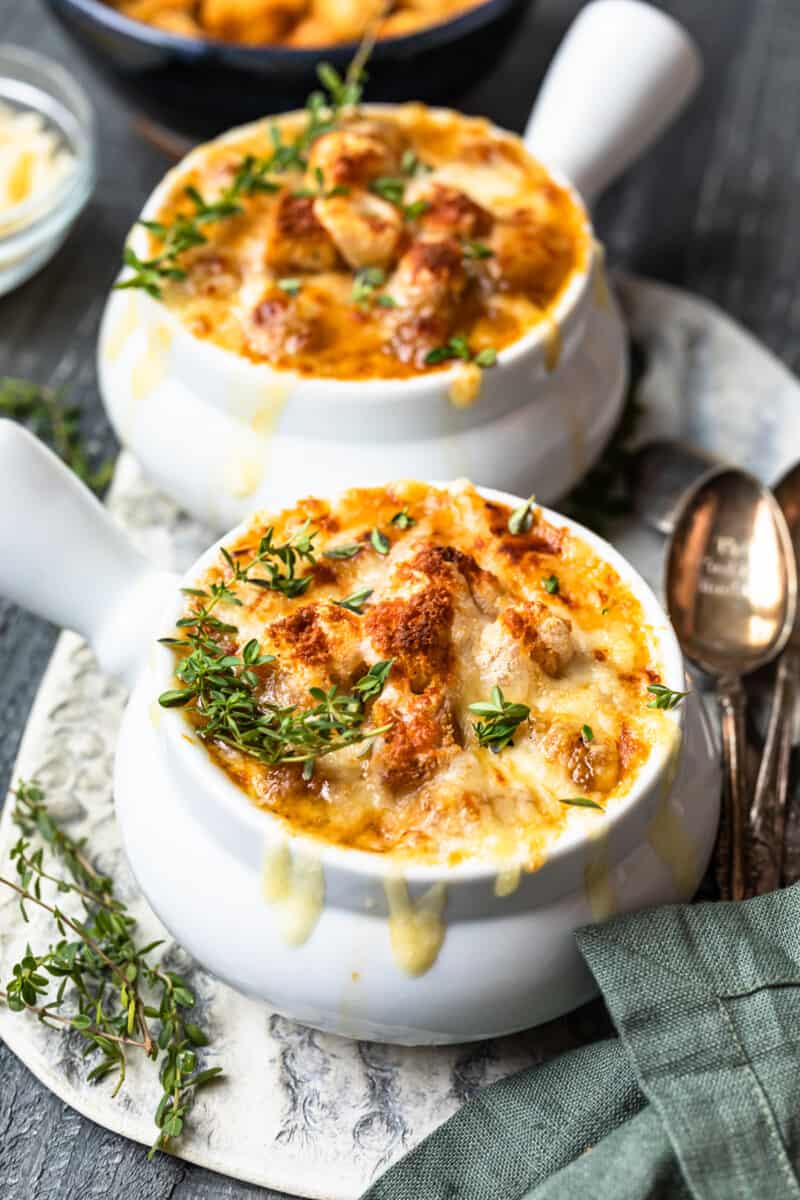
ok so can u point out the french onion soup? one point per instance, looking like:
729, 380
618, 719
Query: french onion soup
420, 672
363, 243
298, 23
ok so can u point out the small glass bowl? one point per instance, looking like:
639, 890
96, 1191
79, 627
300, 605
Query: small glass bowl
38, 226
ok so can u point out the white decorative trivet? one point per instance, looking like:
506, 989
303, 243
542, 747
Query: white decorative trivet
300, 1111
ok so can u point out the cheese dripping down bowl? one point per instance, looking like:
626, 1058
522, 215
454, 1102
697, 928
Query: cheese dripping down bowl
412, 292
358, 897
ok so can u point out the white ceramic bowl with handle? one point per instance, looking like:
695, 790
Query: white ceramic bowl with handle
542, 418
319, 942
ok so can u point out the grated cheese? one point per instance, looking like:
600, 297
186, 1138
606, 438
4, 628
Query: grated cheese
33, 160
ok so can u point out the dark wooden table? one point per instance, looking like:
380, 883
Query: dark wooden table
713, 208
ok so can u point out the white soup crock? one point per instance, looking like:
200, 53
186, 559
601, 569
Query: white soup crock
325, 948
225, 436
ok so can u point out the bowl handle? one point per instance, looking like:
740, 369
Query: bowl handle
63, 558
622, 73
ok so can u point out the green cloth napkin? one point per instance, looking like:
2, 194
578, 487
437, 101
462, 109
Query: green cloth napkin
698, 1097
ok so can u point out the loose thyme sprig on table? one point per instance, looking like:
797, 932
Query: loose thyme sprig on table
47, 413
95, 980
252, 176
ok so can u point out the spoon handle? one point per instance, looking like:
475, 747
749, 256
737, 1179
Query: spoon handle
768, 811
731, 874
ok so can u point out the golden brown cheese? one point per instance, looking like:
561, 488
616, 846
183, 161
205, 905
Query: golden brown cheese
460, 232
460, 605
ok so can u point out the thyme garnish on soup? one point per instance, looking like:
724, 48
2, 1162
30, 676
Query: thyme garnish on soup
252, 176
224, 690
355, 243
664, 698
457, 347
224, 693
502, 719
521, 518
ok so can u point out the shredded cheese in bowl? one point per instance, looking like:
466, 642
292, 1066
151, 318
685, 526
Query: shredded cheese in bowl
47, 167
33, 161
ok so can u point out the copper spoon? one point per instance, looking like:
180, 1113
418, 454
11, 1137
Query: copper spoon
731, 591
768, 812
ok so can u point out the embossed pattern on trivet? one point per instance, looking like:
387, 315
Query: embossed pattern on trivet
302, 1111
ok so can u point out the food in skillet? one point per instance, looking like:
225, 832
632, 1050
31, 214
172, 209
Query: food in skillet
421, 673
362, 243
300, 23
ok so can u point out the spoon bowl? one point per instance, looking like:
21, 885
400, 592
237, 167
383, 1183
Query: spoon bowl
731, 588
731, 581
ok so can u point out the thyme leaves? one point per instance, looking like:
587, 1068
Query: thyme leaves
97, 980
253, 175
48, 414
502, 719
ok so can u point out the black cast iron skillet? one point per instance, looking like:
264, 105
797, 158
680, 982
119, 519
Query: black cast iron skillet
199, 87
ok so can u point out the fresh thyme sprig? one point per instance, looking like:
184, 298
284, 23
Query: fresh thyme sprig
280, 563
356, 602
223, 689
664, 697
391, 188
371, 685
476, 250
411, 165
503, 718
223, 693
366, 282
252, 176
47, 414
185, 232
521, 518
319, 188
342, 552
290, 285
107, 988
202, 629
581, 802
380, 542
403, 519
458, 348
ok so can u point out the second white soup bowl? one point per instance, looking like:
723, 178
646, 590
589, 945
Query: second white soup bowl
321, 950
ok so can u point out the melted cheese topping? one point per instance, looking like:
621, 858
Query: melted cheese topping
478, 242
460, 606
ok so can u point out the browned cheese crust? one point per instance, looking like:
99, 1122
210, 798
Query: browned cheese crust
460, 606
476, 241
